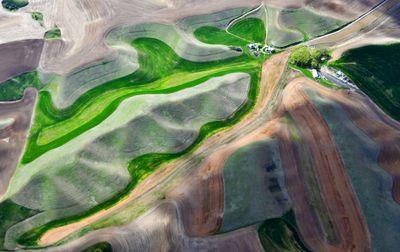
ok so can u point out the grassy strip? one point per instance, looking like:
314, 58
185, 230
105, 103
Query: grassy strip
281, 234
53, 127
375, 71
144, 165
308, 74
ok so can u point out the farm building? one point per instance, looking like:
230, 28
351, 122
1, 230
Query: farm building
315, 73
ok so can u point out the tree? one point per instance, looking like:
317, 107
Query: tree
301, 57
304, 57
316, 55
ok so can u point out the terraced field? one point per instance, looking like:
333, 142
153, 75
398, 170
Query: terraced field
177, 130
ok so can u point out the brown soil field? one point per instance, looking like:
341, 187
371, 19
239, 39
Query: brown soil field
306, 218
201, 199
336, 190
19, 57
13, 135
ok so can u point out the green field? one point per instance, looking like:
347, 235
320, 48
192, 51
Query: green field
278, 35
241, 33
219, 36
374, 69
250, 29
53, 127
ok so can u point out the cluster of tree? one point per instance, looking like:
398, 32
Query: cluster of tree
305, 57
13, 5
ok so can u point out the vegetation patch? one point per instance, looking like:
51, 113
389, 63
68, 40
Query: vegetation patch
54, 33
281, 234
13, 89
305, 57
14, 5
38, 16
10, 214
374, 69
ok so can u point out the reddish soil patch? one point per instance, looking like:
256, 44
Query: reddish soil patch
13, 136
201, 199
19, 57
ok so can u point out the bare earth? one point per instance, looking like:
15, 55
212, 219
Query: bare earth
19, 57
13, 134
